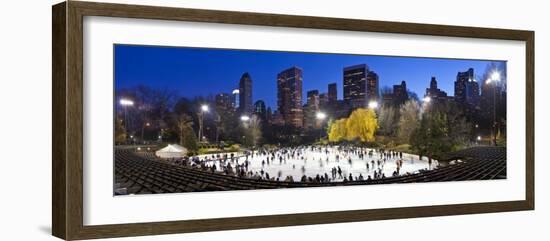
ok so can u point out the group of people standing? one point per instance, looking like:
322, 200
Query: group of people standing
240, 164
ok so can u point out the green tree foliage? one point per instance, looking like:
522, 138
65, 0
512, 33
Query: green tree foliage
442, 129
431, 137
460, 130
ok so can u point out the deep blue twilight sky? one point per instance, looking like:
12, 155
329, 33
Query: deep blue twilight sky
201, 72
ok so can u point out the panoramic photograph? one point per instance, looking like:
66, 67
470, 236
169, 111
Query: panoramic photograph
190, 119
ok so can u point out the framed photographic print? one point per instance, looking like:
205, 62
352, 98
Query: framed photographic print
171, 120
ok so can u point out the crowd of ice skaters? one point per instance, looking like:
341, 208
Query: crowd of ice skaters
238, 165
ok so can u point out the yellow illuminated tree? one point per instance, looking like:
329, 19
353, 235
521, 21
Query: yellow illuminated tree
337, 130
361, 125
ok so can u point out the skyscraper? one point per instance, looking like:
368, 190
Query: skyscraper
400, 94
324, 101
236, 98
223, 101
372, 86
269, 115
355, 85
311, 109
245, 94
396, 96
332, 93
467, 88
313, 98
260, 110
434, 92
289, 96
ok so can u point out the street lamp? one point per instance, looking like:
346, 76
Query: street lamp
147, 124
425, 102
494, 77
204, 108
125, 103
161, 133
373, 104
321, 116
245, 118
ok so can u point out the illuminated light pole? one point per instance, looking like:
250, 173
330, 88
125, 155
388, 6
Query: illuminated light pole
427, 99
494, 78
147, 124
125, 103
161, 133
245, 119
320, 116
425, 102
204, 109
373, 105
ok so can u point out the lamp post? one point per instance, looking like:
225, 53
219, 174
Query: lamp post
245, 119
320, 116
373, 105
204, 109
125, 103
161, 133
427, 100
147, 124
495, 77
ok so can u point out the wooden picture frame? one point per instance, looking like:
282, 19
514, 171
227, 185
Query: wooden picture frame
67, 124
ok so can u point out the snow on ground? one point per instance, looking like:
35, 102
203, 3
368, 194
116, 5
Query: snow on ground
315, 162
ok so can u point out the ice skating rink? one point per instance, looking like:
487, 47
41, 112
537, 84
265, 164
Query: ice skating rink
312, 161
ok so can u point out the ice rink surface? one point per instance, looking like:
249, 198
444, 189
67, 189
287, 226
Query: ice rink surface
314, 161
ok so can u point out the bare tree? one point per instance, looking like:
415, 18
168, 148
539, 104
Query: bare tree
184, 124
409, 117
253, 130
387, 121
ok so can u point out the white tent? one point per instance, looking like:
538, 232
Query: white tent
172, 151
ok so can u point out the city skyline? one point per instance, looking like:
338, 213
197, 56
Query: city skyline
215, 120
202, 72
